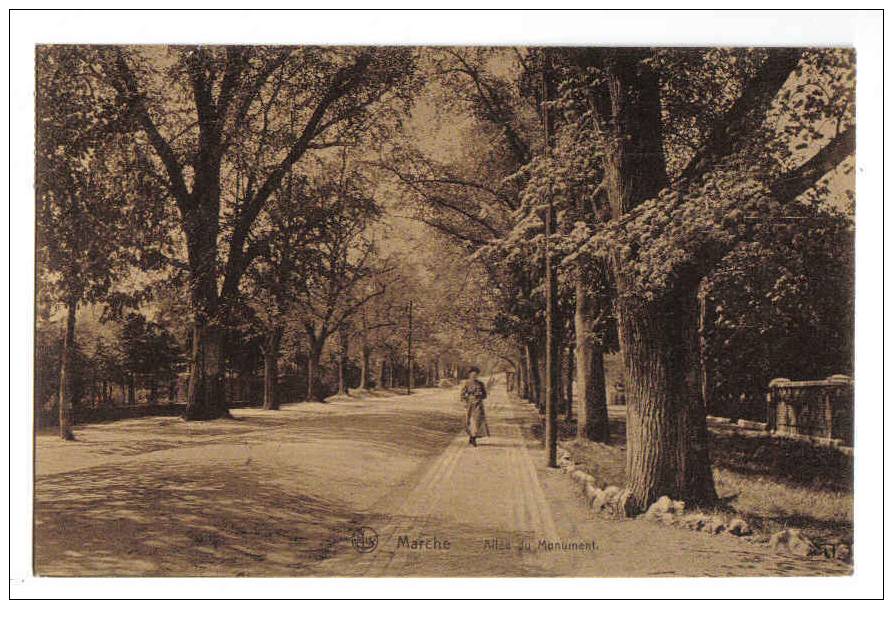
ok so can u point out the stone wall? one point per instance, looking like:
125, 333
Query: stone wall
815, 408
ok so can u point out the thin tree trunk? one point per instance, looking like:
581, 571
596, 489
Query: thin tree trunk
569, 385
592, 418
153, 390
410, 377
520, 384
206, 397
247, 388
364, 368
526, 391
706, 387
343, 348
271, 369
271, 380
313, 356
535, 395
523, 375
342, 363
539, 379
94, 397
66, 374
131, 389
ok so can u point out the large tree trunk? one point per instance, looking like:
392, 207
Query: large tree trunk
592, 418
206, 398
271, 369
666, 427
66, 374
667, 450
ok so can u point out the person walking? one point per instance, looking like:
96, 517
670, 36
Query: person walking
473, 394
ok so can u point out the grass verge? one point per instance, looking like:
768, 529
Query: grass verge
773, 483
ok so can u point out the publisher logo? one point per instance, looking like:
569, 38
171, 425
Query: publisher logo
364, 539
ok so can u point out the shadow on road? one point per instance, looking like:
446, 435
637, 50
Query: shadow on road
174, 519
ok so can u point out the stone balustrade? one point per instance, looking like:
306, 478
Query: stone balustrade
820, 409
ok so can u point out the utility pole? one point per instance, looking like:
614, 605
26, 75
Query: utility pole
409, 378
552, 365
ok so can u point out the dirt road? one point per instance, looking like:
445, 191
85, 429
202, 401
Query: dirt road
302, 491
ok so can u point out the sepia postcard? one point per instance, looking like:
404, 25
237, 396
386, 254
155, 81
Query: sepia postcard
308, 310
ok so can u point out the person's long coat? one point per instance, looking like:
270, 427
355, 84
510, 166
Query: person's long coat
473, 394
